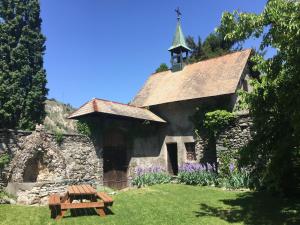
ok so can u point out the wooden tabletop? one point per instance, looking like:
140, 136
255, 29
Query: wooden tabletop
81, 190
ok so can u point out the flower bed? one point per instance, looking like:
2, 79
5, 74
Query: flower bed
197, 174
150, 176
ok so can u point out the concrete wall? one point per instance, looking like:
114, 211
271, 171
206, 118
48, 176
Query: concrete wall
180, 128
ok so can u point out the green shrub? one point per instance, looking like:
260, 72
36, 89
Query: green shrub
236, 180
84, 128
217, 120
226, 161
4, 194
4, 160
59, 137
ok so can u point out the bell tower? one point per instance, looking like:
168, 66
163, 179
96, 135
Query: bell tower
179, 49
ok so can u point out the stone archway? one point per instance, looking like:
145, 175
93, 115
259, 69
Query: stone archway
38, 160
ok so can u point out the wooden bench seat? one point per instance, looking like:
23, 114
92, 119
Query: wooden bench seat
82, 205
54, 199
108, 201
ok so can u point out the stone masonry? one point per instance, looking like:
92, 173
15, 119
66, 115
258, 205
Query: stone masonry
40, 165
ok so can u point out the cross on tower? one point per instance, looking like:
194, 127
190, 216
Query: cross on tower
178, 13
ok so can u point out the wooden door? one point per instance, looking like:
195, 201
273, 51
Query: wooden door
115, 167
115, 160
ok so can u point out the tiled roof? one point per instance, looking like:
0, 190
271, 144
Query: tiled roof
116, 109
212, 77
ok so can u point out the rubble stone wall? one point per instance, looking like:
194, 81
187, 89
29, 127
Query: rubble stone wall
235, 136
39, 158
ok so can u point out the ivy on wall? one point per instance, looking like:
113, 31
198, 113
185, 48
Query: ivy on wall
218, 120
211, 120
209, 123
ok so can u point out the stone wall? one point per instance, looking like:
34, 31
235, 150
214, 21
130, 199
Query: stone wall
236, 136
38, 158
232, 138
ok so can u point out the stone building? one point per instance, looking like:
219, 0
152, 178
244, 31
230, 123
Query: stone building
156, 128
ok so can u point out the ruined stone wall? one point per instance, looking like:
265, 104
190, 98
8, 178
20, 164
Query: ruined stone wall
235, 136
231, 139
75, 159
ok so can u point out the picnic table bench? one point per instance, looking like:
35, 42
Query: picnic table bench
87, 197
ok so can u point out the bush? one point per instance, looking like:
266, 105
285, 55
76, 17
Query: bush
59, 137
217, 120
4, 160
226, 162
230, 175
150, 176
84, 128
236, 180
197, 174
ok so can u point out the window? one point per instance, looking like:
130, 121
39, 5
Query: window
190, 151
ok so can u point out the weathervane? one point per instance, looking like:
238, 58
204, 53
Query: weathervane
178, 13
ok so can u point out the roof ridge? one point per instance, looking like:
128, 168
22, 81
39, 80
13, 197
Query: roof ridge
220, 56
205, 60
120, 103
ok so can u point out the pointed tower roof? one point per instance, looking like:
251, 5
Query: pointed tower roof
179, 39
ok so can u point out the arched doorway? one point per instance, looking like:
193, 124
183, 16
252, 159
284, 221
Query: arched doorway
115, 159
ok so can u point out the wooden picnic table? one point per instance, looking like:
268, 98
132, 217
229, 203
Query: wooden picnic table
86, 197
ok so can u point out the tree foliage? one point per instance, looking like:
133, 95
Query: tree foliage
214, 45
162, 67
274, 153
22, 76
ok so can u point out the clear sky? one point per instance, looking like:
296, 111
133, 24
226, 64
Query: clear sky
108, 48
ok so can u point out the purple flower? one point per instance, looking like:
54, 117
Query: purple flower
195, 167
154, 169
139, 171
231, 167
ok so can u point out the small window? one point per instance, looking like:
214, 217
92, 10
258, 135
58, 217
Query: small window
190, 151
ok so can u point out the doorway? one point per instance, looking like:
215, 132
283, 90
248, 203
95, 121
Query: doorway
172, 158
115, 161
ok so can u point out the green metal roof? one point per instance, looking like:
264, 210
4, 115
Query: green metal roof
179, 39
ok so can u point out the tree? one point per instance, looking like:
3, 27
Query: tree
274, 152
162, 67
197, 52
22, 76
214, 45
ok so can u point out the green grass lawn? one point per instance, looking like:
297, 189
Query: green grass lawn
173, 204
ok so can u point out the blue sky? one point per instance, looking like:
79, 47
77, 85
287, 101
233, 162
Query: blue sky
108, 48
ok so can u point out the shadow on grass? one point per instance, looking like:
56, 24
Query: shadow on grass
255, 208
86, 212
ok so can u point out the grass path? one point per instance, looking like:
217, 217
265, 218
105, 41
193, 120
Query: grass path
172, 204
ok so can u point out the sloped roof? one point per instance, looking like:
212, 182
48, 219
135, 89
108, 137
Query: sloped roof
113, 108
212, 77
